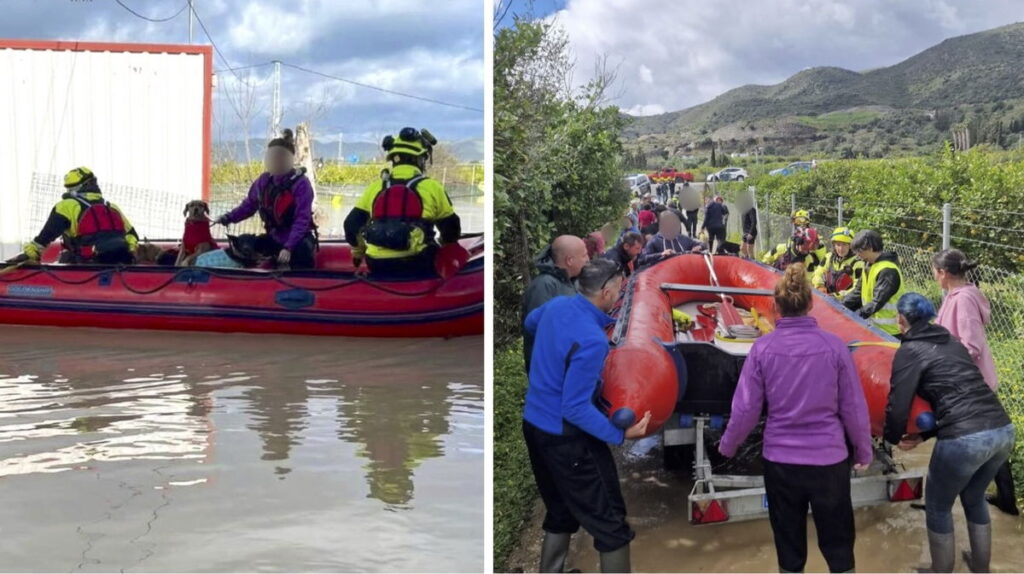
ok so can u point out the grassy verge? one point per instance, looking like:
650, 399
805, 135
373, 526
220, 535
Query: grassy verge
514, 489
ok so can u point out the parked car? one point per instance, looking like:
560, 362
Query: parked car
670, 175
729, 174
795, 167
638, 184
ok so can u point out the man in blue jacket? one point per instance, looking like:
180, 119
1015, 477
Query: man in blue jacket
566, 434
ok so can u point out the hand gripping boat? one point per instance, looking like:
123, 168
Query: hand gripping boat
648, 369
331, 300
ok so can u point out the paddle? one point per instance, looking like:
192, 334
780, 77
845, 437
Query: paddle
15, 263
450, 259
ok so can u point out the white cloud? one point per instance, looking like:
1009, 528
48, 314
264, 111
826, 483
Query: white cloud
678, 54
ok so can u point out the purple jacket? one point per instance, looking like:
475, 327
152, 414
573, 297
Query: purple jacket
806, 379
303, 222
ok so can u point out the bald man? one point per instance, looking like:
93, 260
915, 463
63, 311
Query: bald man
557, 266
668, 241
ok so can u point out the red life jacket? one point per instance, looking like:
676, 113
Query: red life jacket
837, 280
99, 225
277, 202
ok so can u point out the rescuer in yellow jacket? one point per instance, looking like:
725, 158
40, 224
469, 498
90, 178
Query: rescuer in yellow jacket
841, 268
874, 297
93, 230
803, 247
396, 216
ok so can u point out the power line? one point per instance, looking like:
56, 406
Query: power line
379, 89
240, 68
147, 18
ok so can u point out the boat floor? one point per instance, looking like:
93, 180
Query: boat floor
736, 347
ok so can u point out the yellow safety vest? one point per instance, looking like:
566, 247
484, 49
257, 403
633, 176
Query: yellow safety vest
885, 317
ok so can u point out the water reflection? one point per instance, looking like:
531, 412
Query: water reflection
158, 412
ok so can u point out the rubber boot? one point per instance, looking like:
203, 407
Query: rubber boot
979, 557
942, 548
1005, 498
553, 552
616, 560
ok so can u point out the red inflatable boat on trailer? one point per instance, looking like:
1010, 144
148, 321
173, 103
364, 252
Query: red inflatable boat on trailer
332, 300
648, 369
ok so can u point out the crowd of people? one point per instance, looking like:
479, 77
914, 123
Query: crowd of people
394, 226
799, 378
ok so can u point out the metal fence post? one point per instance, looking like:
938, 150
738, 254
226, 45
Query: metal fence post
792, 210
839, 208
947, 219
757, 214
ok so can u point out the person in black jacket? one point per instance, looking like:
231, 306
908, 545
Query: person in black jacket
557, 266
975, 435
668, 241
749, 233
716, 214
626, 251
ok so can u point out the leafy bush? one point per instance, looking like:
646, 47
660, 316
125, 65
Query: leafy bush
514, 487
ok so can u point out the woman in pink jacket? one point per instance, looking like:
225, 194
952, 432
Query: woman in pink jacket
965, 311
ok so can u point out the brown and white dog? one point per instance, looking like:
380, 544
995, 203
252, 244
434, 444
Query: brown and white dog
197, 238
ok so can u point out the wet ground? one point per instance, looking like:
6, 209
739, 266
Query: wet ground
890, 538
148, 451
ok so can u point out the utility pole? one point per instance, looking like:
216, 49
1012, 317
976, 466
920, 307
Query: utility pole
341, 154
275, 105
190, 21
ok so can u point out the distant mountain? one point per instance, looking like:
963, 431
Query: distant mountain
902, 107
468, 151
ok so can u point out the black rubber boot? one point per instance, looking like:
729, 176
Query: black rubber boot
942, 548
1006, 497
553, 552
979, 557
616, 560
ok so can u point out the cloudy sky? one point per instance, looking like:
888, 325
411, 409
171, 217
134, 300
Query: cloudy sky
431, 49
675, 54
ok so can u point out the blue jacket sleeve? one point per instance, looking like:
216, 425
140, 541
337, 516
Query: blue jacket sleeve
533, 319
581, 379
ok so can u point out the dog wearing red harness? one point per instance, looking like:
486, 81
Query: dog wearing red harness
197, 238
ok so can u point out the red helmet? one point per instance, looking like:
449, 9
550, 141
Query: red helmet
806, 240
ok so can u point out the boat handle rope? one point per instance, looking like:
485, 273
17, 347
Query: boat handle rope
119, 271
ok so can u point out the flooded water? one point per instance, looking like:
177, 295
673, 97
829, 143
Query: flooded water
890, 537
148, 451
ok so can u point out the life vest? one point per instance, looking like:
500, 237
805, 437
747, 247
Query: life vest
277, 202
101, 229
885, 317
397, 211
839, 274
789, 256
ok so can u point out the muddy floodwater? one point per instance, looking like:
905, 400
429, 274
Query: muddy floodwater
154, 451
890, 538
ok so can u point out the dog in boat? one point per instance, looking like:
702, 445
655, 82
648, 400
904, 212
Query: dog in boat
197, 238
148, 254
241, 253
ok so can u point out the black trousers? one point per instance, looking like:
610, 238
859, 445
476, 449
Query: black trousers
421, 264
791, 489
691, 223
716, 237
303, 256
578, 481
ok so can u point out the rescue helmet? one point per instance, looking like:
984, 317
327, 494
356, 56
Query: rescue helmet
801, 217
410, 141
76, 177
842, 235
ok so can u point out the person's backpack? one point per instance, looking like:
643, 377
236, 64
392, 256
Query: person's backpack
397, 210
101, 229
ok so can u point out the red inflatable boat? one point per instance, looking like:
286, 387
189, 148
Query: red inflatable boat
648, 369
331, 300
